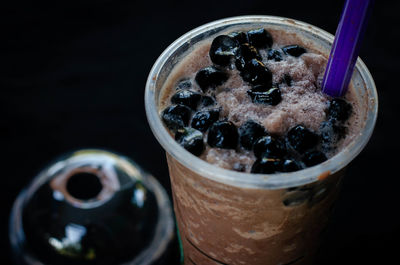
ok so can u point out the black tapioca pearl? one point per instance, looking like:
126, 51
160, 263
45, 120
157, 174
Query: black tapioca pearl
240, 36
269, 146
260, 38
183, 84
190, 139
313, 158
187, 98
301, 139
223, 134
262, 95
339, 109
207, 101
249, 52
240, 63
223, 49
203, 119
290, 165
266, 165
176, 116
294, 50
275, 55
256, 73
245, 54
249, 133
210, 77
331, 132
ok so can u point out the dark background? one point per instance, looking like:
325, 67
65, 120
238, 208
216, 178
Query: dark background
72, 75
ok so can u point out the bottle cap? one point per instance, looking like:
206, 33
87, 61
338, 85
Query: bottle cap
91, 207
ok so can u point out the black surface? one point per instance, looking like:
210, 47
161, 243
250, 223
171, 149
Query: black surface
73, 76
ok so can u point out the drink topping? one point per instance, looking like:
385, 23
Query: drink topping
198, 119
249, 133
203, 119
191, 139
187, 98
223, 134
294, 50
176, 116
210, 77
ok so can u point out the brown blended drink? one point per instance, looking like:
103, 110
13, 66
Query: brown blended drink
246, 190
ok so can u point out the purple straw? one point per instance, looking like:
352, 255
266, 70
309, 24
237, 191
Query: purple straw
346, 46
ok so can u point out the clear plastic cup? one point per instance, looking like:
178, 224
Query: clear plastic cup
228, 217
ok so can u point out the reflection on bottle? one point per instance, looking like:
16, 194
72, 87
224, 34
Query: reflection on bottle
70, 245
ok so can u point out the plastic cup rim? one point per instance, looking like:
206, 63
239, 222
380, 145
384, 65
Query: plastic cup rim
248, 180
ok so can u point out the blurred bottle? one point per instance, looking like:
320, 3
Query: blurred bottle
92, 207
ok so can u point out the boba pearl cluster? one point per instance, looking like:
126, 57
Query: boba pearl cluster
196, 120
